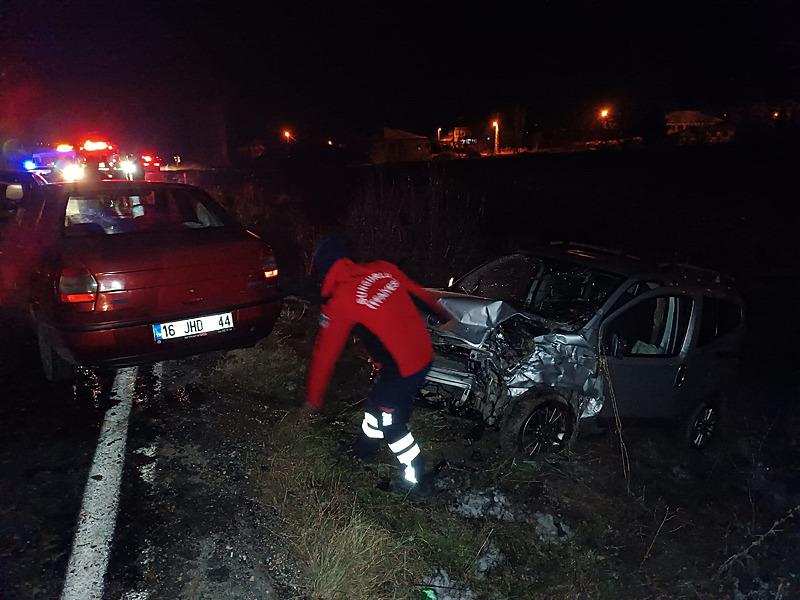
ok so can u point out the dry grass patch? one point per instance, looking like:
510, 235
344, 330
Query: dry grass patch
344, 552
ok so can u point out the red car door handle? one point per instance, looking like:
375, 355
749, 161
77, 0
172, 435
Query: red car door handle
680, 375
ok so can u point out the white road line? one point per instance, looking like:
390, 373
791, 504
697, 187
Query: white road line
91, 546
158, 374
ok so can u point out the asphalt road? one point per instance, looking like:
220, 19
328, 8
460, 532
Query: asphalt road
132, 485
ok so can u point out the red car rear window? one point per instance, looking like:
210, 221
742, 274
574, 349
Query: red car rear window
110, 212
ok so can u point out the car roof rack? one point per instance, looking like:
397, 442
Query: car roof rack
604, 250
702, 273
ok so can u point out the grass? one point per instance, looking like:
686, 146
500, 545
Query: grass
354, 540
357, 541
344, 551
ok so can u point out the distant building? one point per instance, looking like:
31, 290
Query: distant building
396, 145
458, 137
695, 127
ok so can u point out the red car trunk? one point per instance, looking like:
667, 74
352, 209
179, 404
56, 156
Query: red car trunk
159, 276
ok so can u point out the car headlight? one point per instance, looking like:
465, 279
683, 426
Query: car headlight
72, 172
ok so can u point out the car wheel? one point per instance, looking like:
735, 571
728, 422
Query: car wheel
55, 368
538, 424
702, 426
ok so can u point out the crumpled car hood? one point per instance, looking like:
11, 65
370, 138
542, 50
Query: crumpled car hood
475, 317
556, 357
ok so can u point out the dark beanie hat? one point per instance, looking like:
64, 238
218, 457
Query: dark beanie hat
326, 252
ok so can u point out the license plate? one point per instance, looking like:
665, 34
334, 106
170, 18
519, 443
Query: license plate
192, 327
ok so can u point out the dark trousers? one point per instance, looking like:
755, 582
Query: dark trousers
388, 409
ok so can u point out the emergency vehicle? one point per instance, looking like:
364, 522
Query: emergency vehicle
95, 158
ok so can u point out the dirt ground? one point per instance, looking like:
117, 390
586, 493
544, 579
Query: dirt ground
683, 525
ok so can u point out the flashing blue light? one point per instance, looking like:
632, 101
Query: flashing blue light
29, 165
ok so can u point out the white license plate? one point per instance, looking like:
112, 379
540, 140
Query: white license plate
192, 327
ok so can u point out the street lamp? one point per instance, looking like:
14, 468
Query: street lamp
496, 125
438, 134
604, 114
287, 135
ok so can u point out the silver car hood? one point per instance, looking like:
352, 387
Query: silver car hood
475, 317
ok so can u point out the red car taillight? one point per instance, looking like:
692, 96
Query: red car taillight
77, 285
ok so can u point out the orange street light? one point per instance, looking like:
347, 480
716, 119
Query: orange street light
776, 114
496, 125
287, 135
604, 112
438, 133
330, 142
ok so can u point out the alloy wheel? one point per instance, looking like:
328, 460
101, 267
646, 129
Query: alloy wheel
704, 426
545, 430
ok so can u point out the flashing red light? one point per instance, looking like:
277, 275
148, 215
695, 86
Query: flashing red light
147, 158
91, 146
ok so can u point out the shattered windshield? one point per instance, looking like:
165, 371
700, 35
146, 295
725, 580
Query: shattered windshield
558, 291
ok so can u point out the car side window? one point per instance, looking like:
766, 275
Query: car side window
654, 327
718, 318
635, 289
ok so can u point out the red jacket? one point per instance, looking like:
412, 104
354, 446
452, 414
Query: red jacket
377, 296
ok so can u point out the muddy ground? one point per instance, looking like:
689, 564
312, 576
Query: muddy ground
232, 490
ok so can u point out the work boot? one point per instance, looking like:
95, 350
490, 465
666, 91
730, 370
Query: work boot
424, 488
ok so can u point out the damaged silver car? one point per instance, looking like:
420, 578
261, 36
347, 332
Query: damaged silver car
553, 341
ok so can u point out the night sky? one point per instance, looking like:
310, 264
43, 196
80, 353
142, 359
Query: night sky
161, 73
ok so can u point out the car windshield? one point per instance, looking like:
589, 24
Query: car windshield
110, 212
559, 291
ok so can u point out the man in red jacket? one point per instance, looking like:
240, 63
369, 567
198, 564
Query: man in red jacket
377, 302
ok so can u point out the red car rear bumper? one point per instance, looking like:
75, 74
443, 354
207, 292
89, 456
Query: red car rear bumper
134, 344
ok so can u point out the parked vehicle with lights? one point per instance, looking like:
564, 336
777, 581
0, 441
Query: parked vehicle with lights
60, 162
126, 273
151, 161
100, 159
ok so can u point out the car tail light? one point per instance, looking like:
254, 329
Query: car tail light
77, 285
269, 266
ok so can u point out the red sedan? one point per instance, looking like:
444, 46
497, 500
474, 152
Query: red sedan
124, 273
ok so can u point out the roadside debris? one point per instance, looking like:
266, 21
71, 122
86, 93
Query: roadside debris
486, 504
551, 530
445, 588
490, 558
